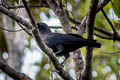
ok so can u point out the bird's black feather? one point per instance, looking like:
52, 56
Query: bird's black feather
69, 42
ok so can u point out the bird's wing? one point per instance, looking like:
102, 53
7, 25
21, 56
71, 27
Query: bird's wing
57, 38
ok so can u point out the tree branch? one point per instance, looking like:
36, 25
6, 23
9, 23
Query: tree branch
31, 6
13, 73
103, 31
30, 25
114, 37
83, 23
42, 45
102, 4
56, 6
29, 13
39, 41
15, 17
25, 29
115, 33
103, 37
87, 72
99, 7
109, 34
11, 30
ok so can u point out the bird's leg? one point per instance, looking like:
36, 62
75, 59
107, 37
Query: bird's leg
60, 49
66, 57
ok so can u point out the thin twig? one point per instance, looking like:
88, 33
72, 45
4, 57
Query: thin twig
103, 37
74, 21
59, 27
109, 21
32, 6
25, 29
29, 13
17, 11
103, 31
11, 30
95, 28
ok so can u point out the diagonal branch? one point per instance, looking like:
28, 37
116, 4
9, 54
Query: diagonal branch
56, 6
15, 17
13, 73
42, 45
25, 29
109, 22
29, 13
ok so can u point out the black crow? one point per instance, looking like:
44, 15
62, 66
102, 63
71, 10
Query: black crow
62, 44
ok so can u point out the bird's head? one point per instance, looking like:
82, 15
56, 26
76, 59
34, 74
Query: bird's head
43, 28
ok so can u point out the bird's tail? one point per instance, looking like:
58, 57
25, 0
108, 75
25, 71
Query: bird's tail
93, 43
